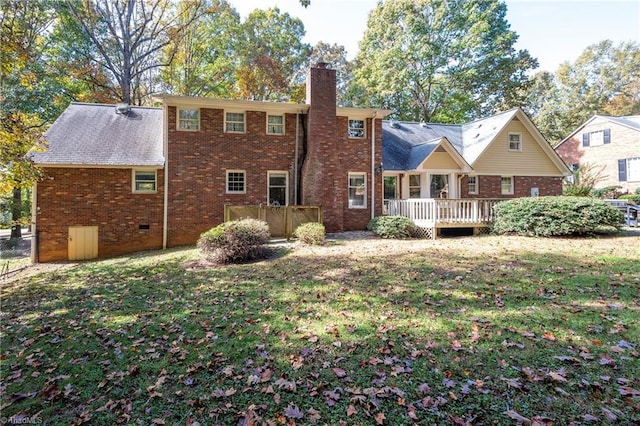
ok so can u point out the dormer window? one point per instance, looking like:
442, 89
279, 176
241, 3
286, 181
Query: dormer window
234, 122
189, 119
356, 128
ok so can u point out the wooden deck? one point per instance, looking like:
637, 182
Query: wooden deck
432, 214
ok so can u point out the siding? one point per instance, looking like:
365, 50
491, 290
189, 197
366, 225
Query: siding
531, 161
440, 161
625, 143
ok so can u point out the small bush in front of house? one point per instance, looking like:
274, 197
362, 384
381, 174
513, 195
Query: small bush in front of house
632, 198
312, 233
555, 216
392, 226
235, 241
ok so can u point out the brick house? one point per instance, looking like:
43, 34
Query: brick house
611, 145
120, 179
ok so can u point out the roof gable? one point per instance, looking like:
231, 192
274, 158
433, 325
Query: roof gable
630, 121
95, 135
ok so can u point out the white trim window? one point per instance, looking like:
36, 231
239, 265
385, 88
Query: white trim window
236, 182
415, 188
629, 169
356, 129
275, 124
188, 119
506, 185
515, 142
472, 184
234, 122
144, 181
278, 188
357, 190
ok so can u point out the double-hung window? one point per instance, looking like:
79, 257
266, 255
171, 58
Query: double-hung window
275, 124
506, 185
596, 138
357, 190
629, 169
234, 122
144, 181
472, 184
515, 142
189, 119
236, 182
414, 186
356, 128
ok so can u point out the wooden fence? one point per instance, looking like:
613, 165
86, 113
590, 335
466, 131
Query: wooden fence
282, 221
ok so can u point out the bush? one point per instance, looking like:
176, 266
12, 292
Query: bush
632, 198
608, 192
392, 226
310, 233
235, 241
552, 216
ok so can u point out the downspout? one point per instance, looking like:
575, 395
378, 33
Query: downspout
165, 147
34, 225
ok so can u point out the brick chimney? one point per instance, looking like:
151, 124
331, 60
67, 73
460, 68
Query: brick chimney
321, 184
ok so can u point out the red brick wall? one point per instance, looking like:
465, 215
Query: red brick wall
96, 197
198, 162
490, 187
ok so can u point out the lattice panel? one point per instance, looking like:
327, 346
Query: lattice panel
422, 232
484, 230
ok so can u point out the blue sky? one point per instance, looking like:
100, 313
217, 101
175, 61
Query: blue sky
552, 31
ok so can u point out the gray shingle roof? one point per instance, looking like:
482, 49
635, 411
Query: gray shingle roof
94, 135
407, 145
632, 121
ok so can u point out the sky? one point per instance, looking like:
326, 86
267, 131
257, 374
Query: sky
553, 31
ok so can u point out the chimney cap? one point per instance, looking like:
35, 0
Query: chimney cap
321, 65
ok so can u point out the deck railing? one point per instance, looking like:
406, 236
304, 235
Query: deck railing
434, 211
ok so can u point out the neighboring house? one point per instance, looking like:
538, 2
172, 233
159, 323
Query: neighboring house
503, 156
611, 145
120, 179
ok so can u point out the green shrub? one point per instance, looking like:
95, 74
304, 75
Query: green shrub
310, 233
608, 192
551, 216
235, 241
392, 226
633, 198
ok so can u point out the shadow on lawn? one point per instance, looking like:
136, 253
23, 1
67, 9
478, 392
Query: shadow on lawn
464, 324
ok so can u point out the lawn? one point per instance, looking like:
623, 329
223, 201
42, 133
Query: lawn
481, 330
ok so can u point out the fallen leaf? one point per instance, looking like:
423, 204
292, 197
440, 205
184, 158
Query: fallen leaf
293, 412
380, 418
516, 416
351, 410
626, 390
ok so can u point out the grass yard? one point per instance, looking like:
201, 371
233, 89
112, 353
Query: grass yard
476, 330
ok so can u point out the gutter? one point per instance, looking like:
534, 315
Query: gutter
373, 165
35, 257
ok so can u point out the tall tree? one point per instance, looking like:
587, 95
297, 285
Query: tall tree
203, 60
605, 79
335, 56
440, 60
270, 54
28, 92
128, 36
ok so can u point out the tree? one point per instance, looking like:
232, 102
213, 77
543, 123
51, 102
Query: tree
335, 56
605, 79
203, 60
28, 90
440, 60
128, 36
270, 54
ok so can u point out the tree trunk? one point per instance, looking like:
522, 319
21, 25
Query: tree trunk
16, 211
